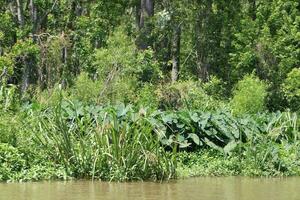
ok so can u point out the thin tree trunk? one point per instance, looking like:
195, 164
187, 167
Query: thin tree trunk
145, 11
34, 18
20, 14
25, 73
176, 53
138, 15
30, 70
25, 76
201, 66
201, 33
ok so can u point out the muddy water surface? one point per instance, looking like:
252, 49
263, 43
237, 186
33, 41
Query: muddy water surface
232, 188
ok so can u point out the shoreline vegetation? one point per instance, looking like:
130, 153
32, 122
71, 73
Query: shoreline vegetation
72, 140
125, 90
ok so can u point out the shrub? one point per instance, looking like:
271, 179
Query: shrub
6, 65
215, 88
8, 97
249, 96
85, 89
291, 89
121, 68
119, 90
119, 55
147, 97
188, 94
50, 97
11, 162
8, 129
148, 67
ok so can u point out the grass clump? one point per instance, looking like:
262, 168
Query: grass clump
104, 143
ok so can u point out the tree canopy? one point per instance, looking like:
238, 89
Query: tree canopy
48, 42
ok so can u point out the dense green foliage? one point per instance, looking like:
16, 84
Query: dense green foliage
291, 89
145, 89
107, 143
74, 140
123, 45
249, 96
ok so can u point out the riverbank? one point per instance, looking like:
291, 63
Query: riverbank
207, 163
120, 143
281, 162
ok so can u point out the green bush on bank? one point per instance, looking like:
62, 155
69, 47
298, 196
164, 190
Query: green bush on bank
291, 89
263, 159
17, 164
249, 96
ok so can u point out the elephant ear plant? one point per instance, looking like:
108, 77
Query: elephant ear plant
111, 143
195, 129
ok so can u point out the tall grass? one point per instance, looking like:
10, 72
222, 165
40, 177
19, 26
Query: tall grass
108, 144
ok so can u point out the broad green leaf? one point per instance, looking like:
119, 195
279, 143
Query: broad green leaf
195, 138
167, 118
195, 117
180, 138
213, 145
184, 144
230, 147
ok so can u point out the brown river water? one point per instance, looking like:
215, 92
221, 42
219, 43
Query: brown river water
231, 188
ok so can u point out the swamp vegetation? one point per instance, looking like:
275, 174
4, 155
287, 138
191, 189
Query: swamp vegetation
149, 90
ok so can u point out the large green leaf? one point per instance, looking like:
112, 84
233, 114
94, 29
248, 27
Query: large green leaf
213, 145
195, 138
230, 147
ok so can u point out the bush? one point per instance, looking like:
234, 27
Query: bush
8, 129
6, 65
291, 89
147, 97
215, 88
188, 94
50, 97
27, 164
85, 89
11, 162
120, 90
8, 97
249, 96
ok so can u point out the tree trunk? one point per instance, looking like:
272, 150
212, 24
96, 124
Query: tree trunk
30, 68
199, 47
202, 25
138, 15
176, 53
144, 11
20, 14
147, 10
34, 18
25, 76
